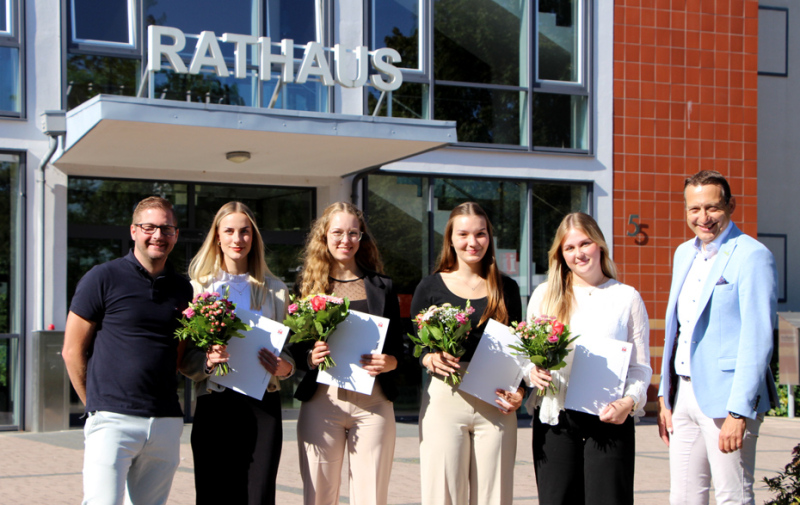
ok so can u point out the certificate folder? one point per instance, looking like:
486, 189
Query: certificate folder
599, 370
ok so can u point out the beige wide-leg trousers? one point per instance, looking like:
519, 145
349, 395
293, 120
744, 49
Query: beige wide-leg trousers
467, 449
335, 420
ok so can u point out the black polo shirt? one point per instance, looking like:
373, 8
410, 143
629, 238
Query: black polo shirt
133, 358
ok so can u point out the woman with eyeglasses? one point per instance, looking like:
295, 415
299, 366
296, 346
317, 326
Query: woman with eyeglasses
341, 258
236, 439
467, 447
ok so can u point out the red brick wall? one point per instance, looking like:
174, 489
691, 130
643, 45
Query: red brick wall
685, 98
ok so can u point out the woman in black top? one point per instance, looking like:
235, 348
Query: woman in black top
341, 258
467, 447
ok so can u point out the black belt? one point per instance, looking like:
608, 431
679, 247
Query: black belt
685, 377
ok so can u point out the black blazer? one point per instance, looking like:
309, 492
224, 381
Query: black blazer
381, 301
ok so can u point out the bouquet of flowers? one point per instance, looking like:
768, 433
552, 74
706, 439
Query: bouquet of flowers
544, 341
211, 320
314, 318
443, 328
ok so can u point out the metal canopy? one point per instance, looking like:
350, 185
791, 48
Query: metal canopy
133, 137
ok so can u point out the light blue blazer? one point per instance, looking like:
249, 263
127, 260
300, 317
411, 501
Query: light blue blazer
731, 345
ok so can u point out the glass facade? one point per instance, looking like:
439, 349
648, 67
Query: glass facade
12, 269
98, 229
105, 57
12, 101
509, 72
524, 215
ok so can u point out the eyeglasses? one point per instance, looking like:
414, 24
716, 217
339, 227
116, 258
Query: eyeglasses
352, 235
149, 229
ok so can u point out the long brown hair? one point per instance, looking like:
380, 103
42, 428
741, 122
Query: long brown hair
317, 258
448, 261
209, 259
559, 300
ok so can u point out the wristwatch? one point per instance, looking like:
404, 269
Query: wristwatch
735, 415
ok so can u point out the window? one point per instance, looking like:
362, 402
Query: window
12, 268
11, 58
511, 73
773, 41
107, 50
103, 22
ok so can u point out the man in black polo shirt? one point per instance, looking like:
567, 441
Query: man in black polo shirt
121, 356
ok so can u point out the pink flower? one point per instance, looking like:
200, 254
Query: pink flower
293, 308
189, 312
461, 318
470, 310
558, 328
215, 294
318, 303
334, 299
521, 325
552, 338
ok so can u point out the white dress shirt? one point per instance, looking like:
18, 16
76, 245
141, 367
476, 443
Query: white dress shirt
689, 298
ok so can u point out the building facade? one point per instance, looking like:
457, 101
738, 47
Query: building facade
533, 108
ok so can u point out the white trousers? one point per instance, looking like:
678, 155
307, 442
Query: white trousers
695, 459
129, 459
467, 449
337, 420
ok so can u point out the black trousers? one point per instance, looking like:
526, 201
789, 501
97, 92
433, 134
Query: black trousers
583, 460
236, 441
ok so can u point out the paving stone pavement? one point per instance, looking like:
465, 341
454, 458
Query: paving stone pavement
45, 468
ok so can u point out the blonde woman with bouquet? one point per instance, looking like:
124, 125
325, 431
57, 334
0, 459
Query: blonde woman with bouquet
580, 457
342, 259
467, 447
236, 440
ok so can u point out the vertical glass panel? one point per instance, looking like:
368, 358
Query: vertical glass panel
11, 287
410, 101
298, 20
10, 244
559, 39
9, 382
560, 121
205, 87
396, 24
10, 80
486, 116
90, 75
5, 16
110, 202
480, 41
551, 202
101, 20
397, 213
310, 96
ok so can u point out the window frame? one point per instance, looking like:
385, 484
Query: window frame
584, 87
13, 38
105, 46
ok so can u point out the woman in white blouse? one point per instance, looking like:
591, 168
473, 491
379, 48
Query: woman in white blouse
580, 457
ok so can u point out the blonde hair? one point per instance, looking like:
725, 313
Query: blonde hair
496, 305
208, 261
559, 301
317, 258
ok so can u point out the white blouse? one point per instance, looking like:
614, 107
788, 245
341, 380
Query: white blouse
610, 310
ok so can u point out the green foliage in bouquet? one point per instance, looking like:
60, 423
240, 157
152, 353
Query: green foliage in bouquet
443, 328
314, 318
211, 320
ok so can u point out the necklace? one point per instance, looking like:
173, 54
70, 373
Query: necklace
238, 287
591, 289
480, 280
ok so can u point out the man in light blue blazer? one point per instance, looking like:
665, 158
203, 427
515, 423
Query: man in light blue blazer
715, 378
